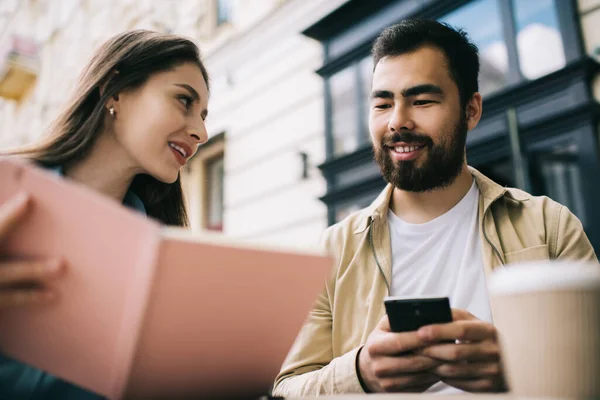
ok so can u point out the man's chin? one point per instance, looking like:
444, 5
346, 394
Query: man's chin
412, 164
408, 177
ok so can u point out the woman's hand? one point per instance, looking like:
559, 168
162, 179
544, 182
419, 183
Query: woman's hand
23, 282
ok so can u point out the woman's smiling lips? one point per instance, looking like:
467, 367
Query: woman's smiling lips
181, 150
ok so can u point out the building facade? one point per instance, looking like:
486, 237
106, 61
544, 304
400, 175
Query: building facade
289, 152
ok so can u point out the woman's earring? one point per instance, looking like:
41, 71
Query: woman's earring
111, 111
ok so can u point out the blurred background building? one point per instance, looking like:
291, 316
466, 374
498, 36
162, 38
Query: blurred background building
289, 151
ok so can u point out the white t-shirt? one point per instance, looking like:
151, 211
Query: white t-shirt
440, 258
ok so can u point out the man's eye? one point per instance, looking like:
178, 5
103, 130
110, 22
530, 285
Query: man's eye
422, 102
381, 106
185, 100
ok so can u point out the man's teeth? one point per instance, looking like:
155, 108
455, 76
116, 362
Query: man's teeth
405, 149
179, 149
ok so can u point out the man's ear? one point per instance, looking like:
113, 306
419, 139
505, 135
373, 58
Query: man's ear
474, 110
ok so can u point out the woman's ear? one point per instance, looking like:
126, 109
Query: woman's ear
113, 103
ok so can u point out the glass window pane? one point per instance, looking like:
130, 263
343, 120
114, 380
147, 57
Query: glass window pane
481, 20
366, 80
223, 11
557, 175
214, 217
539, 42
344, 107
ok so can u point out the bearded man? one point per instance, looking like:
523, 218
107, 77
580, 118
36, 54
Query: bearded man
437, 229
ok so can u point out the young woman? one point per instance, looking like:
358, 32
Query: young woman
136, 117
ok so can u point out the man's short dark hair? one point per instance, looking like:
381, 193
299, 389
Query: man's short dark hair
462, 55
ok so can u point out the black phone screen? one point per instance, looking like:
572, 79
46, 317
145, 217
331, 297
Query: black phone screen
407, 315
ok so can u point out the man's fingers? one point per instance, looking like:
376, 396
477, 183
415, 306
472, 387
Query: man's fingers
462, 315
11, 213
384, 324
18, 272
387, 367
466, 331
468, 370
480, 351
393, 344
12, 298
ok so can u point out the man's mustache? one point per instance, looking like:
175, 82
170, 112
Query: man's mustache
407, 137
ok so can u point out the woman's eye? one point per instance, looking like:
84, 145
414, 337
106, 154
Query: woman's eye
185, 100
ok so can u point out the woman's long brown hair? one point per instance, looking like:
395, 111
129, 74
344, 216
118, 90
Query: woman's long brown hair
125, 61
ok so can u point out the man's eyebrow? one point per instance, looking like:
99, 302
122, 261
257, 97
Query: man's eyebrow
409, 92
422, 89
382, 94
190, 89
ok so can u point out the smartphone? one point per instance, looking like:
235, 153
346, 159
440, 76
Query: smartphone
410, 314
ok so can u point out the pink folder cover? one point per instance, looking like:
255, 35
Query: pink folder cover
147, 312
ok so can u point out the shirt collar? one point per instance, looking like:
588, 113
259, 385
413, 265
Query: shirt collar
131, 199
488, 189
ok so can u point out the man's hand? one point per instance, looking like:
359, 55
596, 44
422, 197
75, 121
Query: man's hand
470, 358
387, 362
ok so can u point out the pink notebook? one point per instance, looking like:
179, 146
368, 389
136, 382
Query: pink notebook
149, 312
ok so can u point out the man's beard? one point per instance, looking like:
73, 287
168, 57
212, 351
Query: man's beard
441, 167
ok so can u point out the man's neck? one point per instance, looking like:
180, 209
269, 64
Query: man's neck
418, 208
107, 169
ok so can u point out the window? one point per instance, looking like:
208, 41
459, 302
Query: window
535, 50
366, 81
557, 174
349, 93
539, 41
203, 184
344, 99
214, 194
487, 34
223, 11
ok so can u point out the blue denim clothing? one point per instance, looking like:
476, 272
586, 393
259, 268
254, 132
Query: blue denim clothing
19, 381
